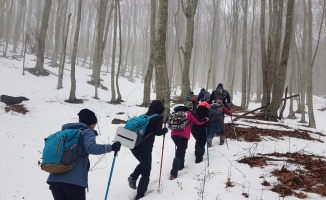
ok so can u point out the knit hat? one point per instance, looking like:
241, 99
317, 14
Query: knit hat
156, 107
87, 117
220, 85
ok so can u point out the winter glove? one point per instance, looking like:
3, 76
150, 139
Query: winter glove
116, 146
164, 130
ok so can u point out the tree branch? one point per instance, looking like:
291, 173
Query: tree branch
262, 107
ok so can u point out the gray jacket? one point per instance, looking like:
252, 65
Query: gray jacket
78, 175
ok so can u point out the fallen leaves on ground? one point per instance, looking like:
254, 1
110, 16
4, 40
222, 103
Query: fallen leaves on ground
310, 179
16, 108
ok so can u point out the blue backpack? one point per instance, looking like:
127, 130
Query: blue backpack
59, 153
139, 124
132, 133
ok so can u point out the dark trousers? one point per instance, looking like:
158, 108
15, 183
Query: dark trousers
200, 138
66, 191
179, 159
144, 167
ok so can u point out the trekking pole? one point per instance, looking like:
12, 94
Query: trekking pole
207, 147
159, 179
109, 182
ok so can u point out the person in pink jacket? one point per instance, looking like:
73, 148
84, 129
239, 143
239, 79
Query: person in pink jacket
180, 139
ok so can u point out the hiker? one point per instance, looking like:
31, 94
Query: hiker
203, 96
222, 94
180, 139
189, 96
71, 185
143, 151
199, 131
193, 99
216, 121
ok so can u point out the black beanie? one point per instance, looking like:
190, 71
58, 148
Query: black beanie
156, 107
87, 117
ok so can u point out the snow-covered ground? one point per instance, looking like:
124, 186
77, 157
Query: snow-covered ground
21, 143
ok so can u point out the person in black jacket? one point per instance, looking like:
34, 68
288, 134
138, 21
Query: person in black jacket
222, 94
143, 151
199, 131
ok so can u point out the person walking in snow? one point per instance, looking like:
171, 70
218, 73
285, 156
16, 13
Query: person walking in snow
71, 185
222, 94
180, 139
199, 131
143, 151
216, 121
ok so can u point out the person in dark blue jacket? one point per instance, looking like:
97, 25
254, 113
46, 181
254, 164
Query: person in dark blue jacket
71, 185
143, 150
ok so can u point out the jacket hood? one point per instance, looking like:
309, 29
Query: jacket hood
156, 107
77, 126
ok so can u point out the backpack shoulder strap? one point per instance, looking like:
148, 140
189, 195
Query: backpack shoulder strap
148, 117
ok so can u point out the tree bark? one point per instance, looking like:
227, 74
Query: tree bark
244, 57
151, 62
72, 95
189, 11
113, 53
18, 25
281, 68
41, 39
119, 99
250, 56
162, 80
58, 22
63, 57
98, 50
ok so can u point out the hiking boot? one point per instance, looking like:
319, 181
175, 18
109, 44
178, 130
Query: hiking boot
132, 183
172, 176
198, 160
209, 142
137, 197
222, 138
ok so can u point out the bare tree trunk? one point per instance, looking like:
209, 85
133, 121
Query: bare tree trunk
189, 11
23, 29
250, 56
310, 63
303, 67
265, 100
244, 56
63, 57
214, 44
281, 68
8, 29
151, 62
292, 72
98, 50
72, 95
18, 25
114, 48
58, 22
2, 18
119, 99
41, 39
162, 80
25, 47
233, 59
